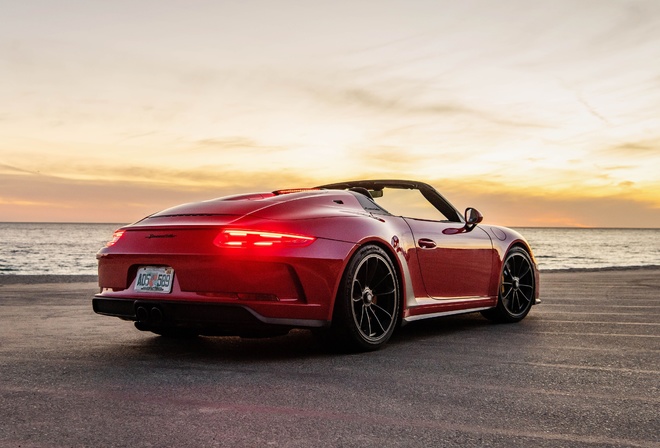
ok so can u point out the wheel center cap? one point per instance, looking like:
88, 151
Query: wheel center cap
367, 296
516, 283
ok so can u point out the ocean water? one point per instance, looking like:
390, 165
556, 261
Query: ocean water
52, 248
70, 249
577, 248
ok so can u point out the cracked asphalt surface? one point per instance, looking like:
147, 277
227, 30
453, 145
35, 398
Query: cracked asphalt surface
581, 370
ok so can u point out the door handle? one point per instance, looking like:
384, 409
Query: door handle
426, 243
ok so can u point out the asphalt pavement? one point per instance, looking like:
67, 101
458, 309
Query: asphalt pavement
581, 370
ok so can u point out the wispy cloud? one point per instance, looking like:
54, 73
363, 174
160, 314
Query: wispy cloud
405, 105
635, 148
233, 143
13, 169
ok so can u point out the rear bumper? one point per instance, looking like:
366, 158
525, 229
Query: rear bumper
205, 317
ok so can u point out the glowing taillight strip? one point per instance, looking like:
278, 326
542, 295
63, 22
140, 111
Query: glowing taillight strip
115, 237
255, 238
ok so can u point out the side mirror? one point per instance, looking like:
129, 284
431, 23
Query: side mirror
472, 217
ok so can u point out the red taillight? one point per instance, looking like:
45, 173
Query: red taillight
255, 238
115, 237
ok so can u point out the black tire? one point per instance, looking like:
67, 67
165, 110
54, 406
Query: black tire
368, 301
516, 290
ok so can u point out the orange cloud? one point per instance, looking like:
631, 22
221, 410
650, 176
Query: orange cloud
54, 199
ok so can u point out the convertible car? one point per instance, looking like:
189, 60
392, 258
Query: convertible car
342, 259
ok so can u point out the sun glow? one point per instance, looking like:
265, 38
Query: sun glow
547, 119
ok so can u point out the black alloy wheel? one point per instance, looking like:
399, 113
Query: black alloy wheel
367, 307
517, 288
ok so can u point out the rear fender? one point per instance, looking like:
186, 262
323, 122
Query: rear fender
397, 255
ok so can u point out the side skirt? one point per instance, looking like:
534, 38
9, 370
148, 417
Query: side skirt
430, 308
443, 313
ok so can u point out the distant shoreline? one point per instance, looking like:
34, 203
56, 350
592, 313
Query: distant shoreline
120, 224
604, 269
19, 279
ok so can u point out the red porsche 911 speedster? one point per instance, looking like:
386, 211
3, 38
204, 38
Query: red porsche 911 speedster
344, 259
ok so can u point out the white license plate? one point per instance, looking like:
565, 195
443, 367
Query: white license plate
154, 279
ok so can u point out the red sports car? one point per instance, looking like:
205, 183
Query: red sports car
344, 259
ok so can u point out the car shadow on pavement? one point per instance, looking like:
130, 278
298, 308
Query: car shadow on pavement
439, 326
298, 344
441, 329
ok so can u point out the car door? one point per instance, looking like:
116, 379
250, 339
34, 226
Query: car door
453, 263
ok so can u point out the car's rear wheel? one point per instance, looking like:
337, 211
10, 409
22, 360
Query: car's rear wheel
367, 307
517, 288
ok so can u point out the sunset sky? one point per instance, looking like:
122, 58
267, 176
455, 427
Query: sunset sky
538, 113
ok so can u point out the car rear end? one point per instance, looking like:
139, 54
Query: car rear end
220, 272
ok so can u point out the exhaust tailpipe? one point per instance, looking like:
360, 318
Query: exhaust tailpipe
142, 314
156, 315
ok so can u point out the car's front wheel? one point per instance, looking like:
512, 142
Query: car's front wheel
517, 288
368, 302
